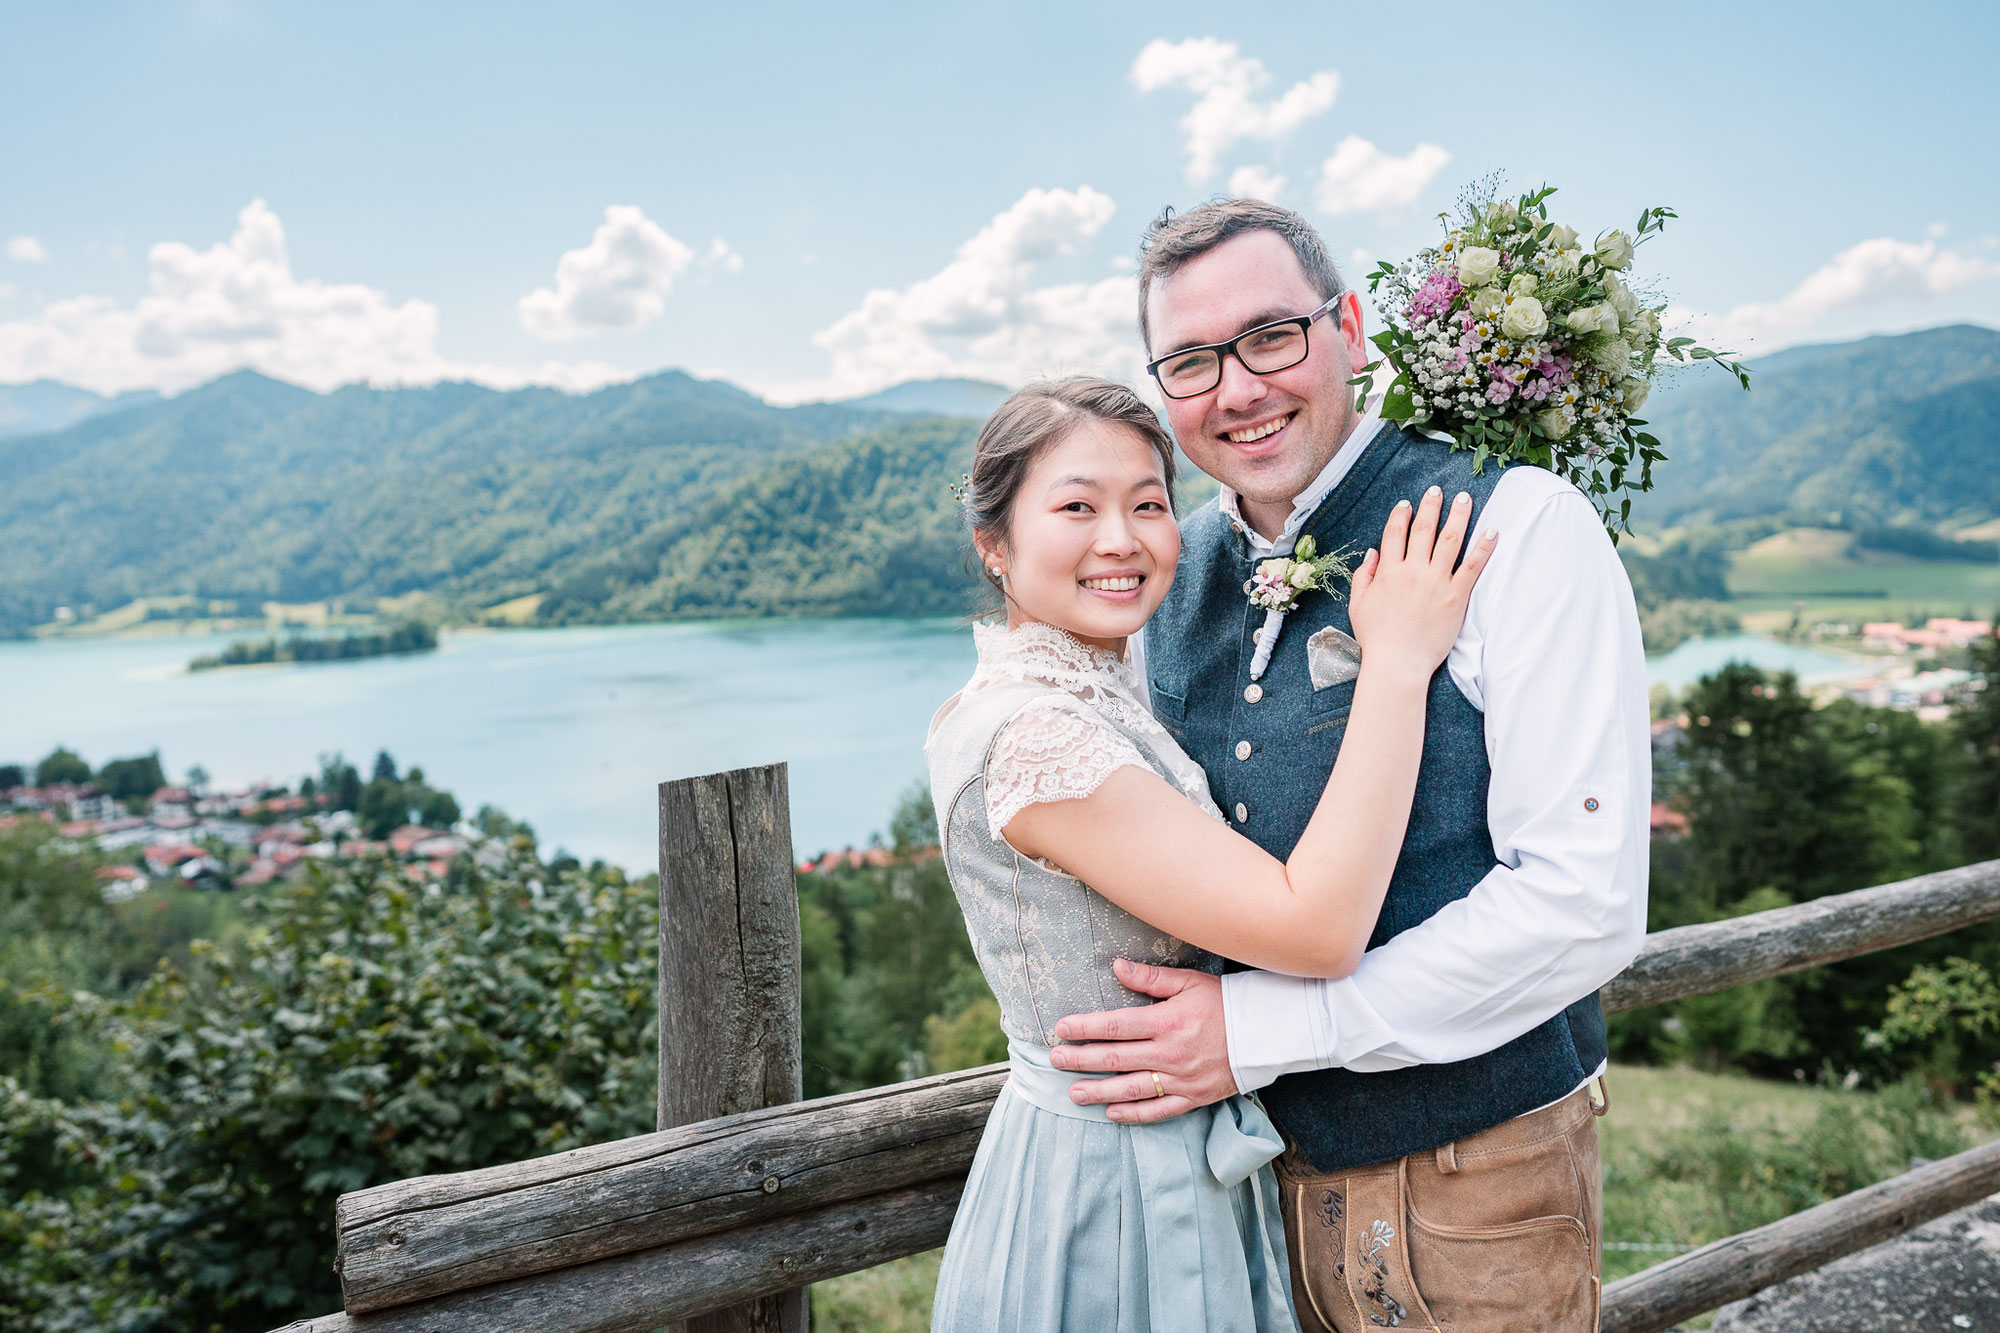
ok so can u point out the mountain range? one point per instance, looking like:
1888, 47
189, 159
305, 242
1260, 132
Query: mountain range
672, 496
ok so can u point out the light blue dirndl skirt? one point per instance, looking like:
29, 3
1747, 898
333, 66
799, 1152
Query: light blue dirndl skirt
1071, 1221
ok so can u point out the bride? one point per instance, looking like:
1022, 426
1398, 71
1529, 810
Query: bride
1076, 831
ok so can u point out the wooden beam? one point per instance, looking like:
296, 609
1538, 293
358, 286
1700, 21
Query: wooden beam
421, 1238
1699, 960
1728, 1270
633, 1293
729, 973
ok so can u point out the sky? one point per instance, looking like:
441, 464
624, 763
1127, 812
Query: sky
819, 201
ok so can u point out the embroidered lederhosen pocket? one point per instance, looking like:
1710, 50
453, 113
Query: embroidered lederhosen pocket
1350, 1262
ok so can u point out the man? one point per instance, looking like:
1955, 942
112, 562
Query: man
1438, 1104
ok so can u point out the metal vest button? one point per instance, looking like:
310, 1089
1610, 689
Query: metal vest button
1242, 813
1243, 749
1252, 693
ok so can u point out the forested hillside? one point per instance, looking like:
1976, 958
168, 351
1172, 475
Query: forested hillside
248, 487
679, 497
1895, 429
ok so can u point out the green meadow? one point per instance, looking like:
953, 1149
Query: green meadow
1822, 568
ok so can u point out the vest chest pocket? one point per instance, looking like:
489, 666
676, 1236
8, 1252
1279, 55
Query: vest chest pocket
1327, 712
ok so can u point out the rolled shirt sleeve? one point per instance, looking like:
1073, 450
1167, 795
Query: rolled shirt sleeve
1551, 654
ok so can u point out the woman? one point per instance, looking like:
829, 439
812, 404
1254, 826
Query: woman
1076, 831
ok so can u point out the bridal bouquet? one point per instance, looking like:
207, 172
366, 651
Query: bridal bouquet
1522, 343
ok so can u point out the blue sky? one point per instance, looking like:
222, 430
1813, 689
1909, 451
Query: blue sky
815, 200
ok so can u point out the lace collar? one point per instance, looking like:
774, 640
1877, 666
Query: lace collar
1037, 651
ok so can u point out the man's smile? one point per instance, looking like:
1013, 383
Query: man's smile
1258, 434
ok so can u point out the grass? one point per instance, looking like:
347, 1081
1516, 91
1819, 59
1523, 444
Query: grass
1689, 1157
1822, 568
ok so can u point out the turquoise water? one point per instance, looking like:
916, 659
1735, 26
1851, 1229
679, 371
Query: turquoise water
571, 729
1700, 657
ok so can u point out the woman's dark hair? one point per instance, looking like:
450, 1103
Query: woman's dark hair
1031, 422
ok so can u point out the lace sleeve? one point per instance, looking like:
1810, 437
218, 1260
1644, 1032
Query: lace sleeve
1051, 751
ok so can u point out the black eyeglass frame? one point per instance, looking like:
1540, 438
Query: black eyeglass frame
1228, 348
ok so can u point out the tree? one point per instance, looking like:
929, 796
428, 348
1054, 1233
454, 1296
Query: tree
385, 767
383, 807
1774, 802
62, 765
13, 775
197, 779
1977, 730
437, 809
132, 779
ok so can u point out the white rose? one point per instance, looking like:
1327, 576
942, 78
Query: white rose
1274, 569
1615, 355
1302, 576
1487, 302
1632, 393
1625, 301
1647, 326
1523, 284
1525, 318
1561, 264
1500, 216
1591, 319
1555, 422
1478, 265
1614, 250
1561, 238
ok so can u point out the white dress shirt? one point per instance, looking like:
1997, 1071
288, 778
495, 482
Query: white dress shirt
1550, 653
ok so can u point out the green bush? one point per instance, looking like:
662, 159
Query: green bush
366, 1029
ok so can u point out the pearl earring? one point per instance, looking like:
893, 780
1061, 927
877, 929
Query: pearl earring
994, 570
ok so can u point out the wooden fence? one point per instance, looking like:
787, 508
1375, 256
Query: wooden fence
745, 1194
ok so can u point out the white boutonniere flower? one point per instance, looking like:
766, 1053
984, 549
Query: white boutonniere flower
1281, 581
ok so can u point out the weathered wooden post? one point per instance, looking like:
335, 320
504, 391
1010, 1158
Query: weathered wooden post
729, 974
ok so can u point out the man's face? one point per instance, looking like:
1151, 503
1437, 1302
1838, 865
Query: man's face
1248, 280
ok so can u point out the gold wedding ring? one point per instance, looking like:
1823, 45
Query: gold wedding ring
1159, 1088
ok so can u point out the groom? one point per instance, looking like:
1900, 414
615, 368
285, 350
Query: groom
1438, 1104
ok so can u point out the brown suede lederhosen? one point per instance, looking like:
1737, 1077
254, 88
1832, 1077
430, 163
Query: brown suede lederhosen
1496, 1233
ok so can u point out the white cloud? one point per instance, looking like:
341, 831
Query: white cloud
1256, 183
1879, 272
981, 315
237, 304
721, 256
27, 250
1361, 178
619, 281
1226, 111
7, 290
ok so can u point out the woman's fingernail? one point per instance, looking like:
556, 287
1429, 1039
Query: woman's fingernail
1433, 492
1402, 504
1490, 535
1463, 499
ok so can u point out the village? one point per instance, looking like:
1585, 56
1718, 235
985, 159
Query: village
237, 839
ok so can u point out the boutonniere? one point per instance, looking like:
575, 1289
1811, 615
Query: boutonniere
1281, 581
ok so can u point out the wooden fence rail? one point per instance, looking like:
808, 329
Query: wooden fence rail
666, 1226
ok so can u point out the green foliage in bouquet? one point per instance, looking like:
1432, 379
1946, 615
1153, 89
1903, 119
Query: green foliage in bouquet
1520, 344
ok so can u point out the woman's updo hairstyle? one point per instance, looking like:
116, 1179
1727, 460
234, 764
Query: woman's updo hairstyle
1031, 422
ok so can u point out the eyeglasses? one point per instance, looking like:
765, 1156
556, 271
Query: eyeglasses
1279, 345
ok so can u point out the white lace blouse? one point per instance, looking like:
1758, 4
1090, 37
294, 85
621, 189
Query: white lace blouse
1060, 747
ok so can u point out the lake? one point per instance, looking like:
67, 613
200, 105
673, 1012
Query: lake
570, 729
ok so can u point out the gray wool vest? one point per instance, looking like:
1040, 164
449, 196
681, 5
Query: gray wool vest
1198, 651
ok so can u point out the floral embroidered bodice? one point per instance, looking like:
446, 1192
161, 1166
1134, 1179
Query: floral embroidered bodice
1046, 717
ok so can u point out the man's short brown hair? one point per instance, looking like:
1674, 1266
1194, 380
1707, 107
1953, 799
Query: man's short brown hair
1172, 241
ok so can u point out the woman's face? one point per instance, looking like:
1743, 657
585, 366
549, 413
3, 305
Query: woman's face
1092, 542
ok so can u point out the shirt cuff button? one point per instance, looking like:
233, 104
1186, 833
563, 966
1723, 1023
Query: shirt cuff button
1590, 804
